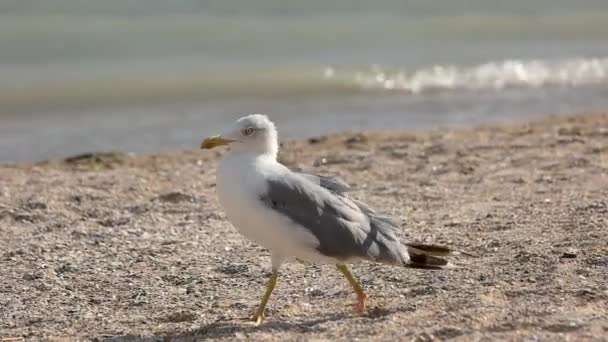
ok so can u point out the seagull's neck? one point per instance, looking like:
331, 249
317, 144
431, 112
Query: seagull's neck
250, 157
267, 152
243, 171
267, 149
272, 147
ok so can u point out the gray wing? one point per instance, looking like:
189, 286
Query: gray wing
343, 228
334, 184
340, 188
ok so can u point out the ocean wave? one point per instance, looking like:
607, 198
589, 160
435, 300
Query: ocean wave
144, 87
488, 76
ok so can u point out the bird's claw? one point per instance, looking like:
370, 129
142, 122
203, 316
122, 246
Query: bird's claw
360, 307
255, 320
258, 319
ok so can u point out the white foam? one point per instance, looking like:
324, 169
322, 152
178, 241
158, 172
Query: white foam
487, 76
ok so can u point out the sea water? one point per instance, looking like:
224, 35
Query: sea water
151, 75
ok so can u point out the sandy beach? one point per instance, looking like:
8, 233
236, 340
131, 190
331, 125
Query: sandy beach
114, 246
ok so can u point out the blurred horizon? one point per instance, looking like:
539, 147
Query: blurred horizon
150, 75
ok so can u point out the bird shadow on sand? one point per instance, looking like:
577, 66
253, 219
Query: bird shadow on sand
228, 329
234, 328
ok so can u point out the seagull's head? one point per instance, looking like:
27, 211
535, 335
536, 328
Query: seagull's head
253, 133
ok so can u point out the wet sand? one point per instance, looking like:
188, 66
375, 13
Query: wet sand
117, 246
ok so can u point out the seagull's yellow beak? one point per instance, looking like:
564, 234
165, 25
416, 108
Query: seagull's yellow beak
215, 141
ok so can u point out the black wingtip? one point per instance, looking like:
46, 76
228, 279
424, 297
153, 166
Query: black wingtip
426, 261
435, 250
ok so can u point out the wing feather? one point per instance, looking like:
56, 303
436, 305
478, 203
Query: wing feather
345, 228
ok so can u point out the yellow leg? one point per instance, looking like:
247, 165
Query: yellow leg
355, 284
259, 315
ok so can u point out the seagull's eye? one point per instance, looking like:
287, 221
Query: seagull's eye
247, 131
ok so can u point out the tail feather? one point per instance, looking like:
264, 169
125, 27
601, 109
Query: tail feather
426, 261
429, 256
434, 250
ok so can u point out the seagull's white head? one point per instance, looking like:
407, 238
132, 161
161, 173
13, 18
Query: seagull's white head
253, 133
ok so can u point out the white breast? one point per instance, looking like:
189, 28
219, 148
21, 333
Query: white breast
240, 183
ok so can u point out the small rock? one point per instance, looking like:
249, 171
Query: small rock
95, 301
570, 253
399, 153
27, 218
239, 306
447, 332
97, 160
425, 337
138, 209
32, 276
563, 327
176, 197
95, 213
466, 169
588, 294
114, 222
65, 268
315, 293
33, 205
330, 161
319, 162
316, 140
435, 149
355, 139
179, 317
518, 180
569, 131
42, 286
233, 269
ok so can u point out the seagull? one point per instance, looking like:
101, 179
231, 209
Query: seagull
306, 217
